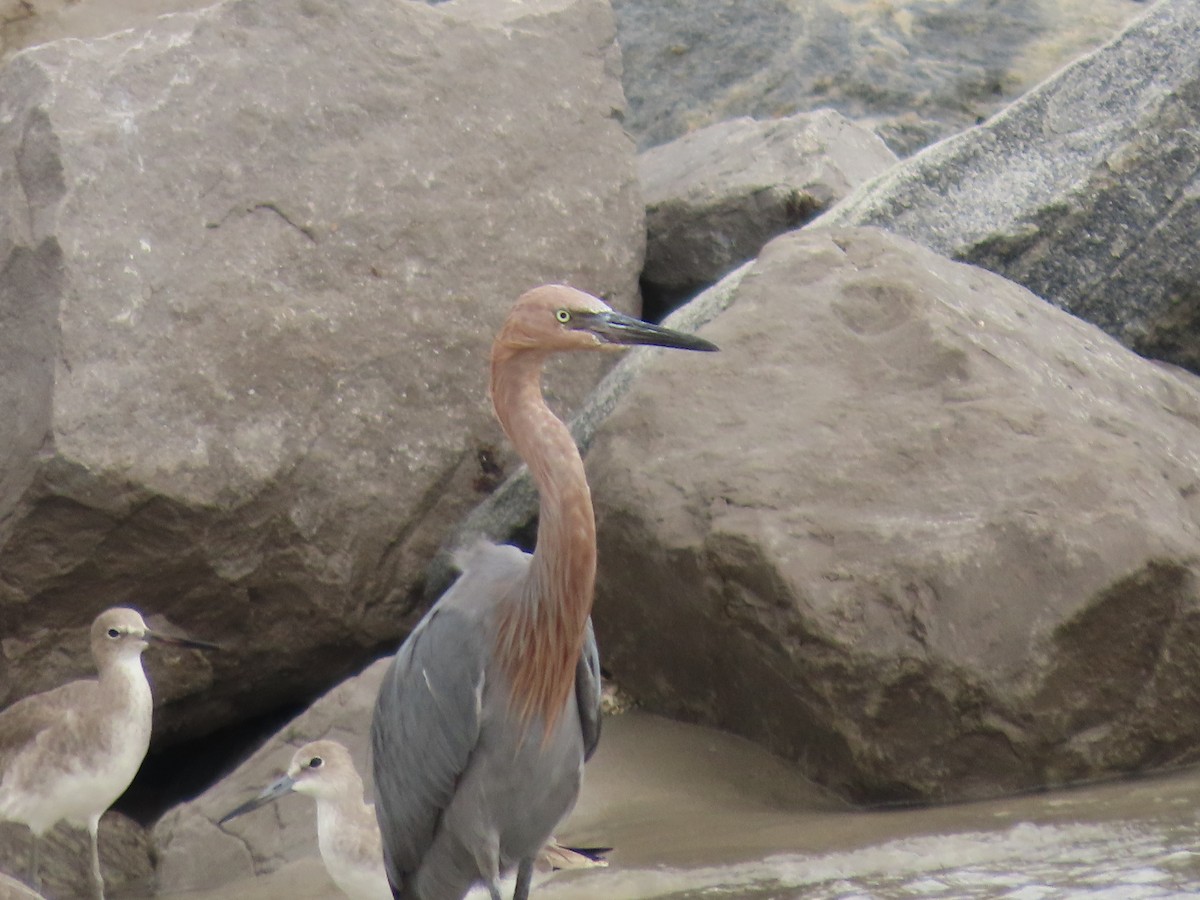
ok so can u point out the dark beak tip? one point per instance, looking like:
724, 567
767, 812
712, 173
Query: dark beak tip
185, 643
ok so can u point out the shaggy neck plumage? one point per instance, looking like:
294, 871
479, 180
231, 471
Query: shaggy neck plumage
542, 627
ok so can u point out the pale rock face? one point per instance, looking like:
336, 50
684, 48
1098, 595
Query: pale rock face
912, 527
253, 256
920, 70
1085, 190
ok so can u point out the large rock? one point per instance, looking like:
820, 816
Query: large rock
24, 23
715, 196
921, 69
1086, 191
253, 257
194, 853
65, 862
914, 528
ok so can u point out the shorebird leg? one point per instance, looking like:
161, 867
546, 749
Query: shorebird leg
35, 877
97, 877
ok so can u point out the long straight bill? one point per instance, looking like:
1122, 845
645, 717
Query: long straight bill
615, 328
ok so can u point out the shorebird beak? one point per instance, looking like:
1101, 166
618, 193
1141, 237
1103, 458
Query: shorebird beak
615, 328
274, 791
167, 640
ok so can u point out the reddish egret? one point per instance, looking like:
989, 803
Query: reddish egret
347, 834
491, 706
68, 753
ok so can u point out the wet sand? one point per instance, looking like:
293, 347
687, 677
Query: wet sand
695, 813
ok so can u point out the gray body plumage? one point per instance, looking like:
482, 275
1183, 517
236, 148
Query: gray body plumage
445, 744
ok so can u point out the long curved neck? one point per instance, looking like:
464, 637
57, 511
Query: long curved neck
542, 626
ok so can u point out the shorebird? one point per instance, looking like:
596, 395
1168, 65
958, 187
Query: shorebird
69, 752
491, 706
347, 834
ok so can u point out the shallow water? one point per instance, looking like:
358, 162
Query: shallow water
692, 813
785, 839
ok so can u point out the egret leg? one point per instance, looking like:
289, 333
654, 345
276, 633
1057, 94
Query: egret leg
524, 880
97, 877
493, 891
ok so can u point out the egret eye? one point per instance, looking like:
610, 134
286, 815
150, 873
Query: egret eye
113, 633
315, 762
563, 316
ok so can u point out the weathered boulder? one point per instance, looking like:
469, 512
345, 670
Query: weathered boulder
715, 196
64, 861
24, 23
922, 70
252, 259
1086, 190
194, 853
921, 532
11, 889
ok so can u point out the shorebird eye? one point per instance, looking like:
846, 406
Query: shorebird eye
315, 762
113, 633
563, 315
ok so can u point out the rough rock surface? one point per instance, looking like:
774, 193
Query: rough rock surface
195, 854
923, 69
1086, 190
11, 889
913, 527
24, 23
247, 296
715, 196
65, 860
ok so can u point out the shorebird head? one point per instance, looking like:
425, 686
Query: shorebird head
122, 632
321, 769
554, 318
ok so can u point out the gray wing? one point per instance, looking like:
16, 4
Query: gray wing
23, 723
587, 691
424, 730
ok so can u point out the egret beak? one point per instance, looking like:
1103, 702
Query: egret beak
615, 328
274, 791
166, 640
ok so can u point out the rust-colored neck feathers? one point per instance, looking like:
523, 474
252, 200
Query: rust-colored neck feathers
541, 627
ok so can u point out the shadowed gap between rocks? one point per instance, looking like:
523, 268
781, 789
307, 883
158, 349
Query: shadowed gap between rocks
184, 771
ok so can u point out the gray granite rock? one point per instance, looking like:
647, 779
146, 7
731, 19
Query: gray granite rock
920, 69
11, 889
715, 196
1086, 190
65, 860
913, 528
252, 259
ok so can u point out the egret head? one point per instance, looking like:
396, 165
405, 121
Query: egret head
556, 318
